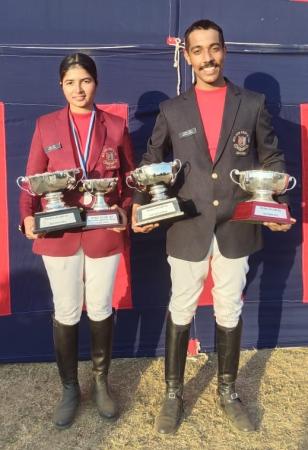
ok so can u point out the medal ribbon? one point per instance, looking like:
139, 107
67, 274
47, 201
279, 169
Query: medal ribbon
83, 157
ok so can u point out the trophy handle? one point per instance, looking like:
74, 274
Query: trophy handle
176, 163
129, 179
72, 183
293, 180
236, 172
22, 180
90, 190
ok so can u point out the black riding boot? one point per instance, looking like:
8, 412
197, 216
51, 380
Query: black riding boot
66, 348
170, 415
228, 351
101, 350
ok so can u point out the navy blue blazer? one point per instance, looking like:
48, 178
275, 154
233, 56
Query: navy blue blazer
247, 141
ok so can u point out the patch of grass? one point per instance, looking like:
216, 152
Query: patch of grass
273, 384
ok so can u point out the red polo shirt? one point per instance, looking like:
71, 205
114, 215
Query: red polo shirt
211, 106
82, 122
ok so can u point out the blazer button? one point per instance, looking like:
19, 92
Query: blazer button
214, 176
215, 202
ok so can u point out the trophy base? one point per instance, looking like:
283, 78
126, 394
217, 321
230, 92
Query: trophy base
158, 211
109, 218
259, 212
46, 222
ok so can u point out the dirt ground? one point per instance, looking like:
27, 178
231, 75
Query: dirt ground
272, 383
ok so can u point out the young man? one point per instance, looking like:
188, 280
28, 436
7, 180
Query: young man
212, 128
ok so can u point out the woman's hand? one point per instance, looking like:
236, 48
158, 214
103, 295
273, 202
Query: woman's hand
29, 227
144, 228
279, 226
123, 216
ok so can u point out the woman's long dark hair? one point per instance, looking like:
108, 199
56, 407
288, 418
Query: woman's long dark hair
78, 59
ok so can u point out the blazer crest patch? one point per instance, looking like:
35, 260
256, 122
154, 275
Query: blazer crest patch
241, 142
110, 158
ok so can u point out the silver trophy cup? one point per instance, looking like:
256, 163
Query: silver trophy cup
155, 179
56, 214
262, 185
100, 215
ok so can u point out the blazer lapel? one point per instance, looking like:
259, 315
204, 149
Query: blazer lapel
194, 121
98, 139
232, 103
63, 133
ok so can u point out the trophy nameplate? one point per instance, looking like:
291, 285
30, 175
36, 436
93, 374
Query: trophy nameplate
158, 211
46, 222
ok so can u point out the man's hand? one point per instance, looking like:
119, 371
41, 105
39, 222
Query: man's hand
141, 229
279, 226
123, 216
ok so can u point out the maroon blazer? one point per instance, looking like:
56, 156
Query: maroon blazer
110, 132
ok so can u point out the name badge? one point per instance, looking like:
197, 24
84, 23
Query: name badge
187, 133
241, 142
52, 147
110, 158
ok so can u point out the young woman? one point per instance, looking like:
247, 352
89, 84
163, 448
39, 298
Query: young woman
81, 265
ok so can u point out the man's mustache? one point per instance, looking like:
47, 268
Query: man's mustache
208, 65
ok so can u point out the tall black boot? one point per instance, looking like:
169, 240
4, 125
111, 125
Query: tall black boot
101, 350
170, 415
228, 350
66, 348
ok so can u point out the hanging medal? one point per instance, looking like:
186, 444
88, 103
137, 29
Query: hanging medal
87, 198
84, 156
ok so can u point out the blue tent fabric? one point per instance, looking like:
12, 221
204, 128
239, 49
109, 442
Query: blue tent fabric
128, 42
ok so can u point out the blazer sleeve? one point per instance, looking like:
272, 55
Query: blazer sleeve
126, 165
158, 147
37, 163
